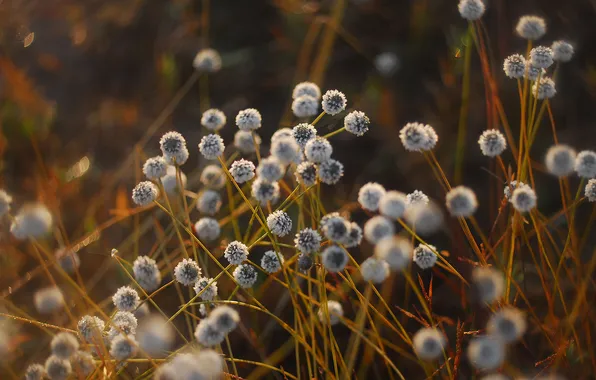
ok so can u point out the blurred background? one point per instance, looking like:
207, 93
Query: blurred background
82, 81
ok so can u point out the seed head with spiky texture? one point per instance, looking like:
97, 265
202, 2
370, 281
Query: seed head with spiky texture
264, 191
236, 253
244, 141
270, 169
334, 102
209, 202
213, 119
544, 89
90, 328
354, 236
303, 133
514, 66
374, 270
334, 314
248, 119
531, 27
306, 88
585, 164
144, 193
123, 347
305, 262
207, 61
155, 167
245, 275
123, 322
508, 189
207, 288
280, 223
207, 229
146, 273
424, 256
330, 171
207, 334
486, 352
370, 195
170, 181
429, 343
396, 251
334, 227
211, 146
270, 262
126, 298
492, 143
306, 173
334, 258
187, 272
471, 10
590, 190
242, 170
286, 150
283, 132
562, 51
541, 57
414, 137
357, 123
318, 150
173, 148
307, 241
377, 228
305, 106
524, 199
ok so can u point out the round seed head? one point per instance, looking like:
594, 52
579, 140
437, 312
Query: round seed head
357, 123
35, 372
417, 197
590, 191
308, 241
123, 347
90, 328
64, 344
213, 177
303, 133
48, 300
126, 299
33, 220
245, 275
374, 270
306, 173
334, 258
429, 343
248, 119
144, 193
377, 228
67, 259
333, 315
244, 142
370, 195
424, 219
270, 169
270, 262
242, 170
173, 148
170, 180
585, 164
264, 191
541, 57
334, 227
492, 143
461, 201
225, 318
187, 272
207, 229
211, 146
306, 88
207, 334
533, 72
415, 137
283, 132
395, 251
509, 324
146, 273
424, 256
508, 189
562, 51
393, 204
57, 368
155, 167
330, 171
387, 63
123, 322
280, 223
286, 150
236, 253
305, 262
207, 61
560, 160
531, 27
5, 201
82, 363
488, 284
318, 150
213, 119
354, 236
432, 139
486, 353
305, 106
334, 102
524, 199
209, 202
207, 288
514, 66
544, 89
471, 10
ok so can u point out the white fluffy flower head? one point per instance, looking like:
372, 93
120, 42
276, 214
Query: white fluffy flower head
330, 171
471, 10
303, 133
187, 272
461, 201
334, 102
209, 202
211, 146
264, 191
286, 150
560, 160
541, 57
378, 228
318, 150
245, 275
155, 167
270, 262
486, 352
334, 258
395, 251
207, 60
514, 66
306, 88
207, 229
280, 223
248, 119
492, 143
424, 256
374, 270
393, 204
236, 253
357, 123
489, 284
429, 343
305, 106
585, 164
207, 288
307, 241
334, 313
244, 142
242, 170
213, 119
146, 273
562, 51
306, 173
213, 177
524, 199
126, 298
173, 148
531, 27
